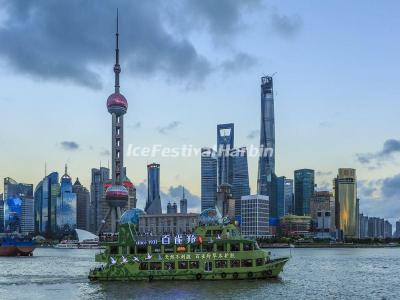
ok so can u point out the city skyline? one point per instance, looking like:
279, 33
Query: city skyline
81, 146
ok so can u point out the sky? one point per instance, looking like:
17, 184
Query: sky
190, 65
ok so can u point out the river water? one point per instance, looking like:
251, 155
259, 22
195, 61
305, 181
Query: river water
310, 274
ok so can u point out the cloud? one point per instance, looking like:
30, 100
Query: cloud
241, 61
380, 198
286, 26
253, 134
168, 128
173, 194
322, 173
135, 125
69, 145
105, 152
390, 147
73, 40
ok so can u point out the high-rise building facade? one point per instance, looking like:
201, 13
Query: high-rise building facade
255, 216
153, 204
172, 208
240, 181
345, 189
1, 213
266, 182
225, 143
46, 193
209, 165
82, 205
322, 215
183, 205
66, 207
18, 206
98, 206
225, 203
303, 191
284, 196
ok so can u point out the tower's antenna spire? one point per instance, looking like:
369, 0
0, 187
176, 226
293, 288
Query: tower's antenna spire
66, 169
183, 192
117, 67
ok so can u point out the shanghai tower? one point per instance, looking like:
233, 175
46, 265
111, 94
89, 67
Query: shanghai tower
117, 194
266, 164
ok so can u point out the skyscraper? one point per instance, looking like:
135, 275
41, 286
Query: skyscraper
208, 178
303, 191
225, 143
153, 204
183, 203
266, 164
46, 193
117, 195
284, 196
66, 206
82, 205
240, 181
98, 205
255, 216
172, 208
1, 213
397, 232
18, 206
345, 189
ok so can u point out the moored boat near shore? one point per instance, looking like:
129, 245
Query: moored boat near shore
14, 245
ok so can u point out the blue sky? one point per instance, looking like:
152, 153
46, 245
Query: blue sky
189, 65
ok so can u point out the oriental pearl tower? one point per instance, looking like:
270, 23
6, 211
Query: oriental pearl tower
117, 105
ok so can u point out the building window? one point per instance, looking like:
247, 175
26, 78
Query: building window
221, 263
155, 266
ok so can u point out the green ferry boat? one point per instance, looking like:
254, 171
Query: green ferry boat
214, 251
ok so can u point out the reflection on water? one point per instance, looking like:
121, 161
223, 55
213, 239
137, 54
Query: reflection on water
310, 274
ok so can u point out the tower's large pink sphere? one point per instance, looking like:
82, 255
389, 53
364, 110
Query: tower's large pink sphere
117, 195
117, 103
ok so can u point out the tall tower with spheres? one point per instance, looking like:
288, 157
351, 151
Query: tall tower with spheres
117, 194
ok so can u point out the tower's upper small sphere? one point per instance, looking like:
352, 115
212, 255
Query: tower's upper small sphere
117, 103
117, 195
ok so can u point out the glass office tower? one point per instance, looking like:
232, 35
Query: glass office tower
304, 190
208, 178
153, 204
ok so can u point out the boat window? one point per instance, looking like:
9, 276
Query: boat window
208, 233
142, 249
208, 247
221, 247
155, 266
235, 247
221, 263
259, 262
235, 263
256, 246
114, 250
193, 264
247, 246
132, 250
183, 265
143, 266
247, 263
217, 232
169, 265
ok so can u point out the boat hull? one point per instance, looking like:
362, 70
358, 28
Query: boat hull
123, 273
8, 251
